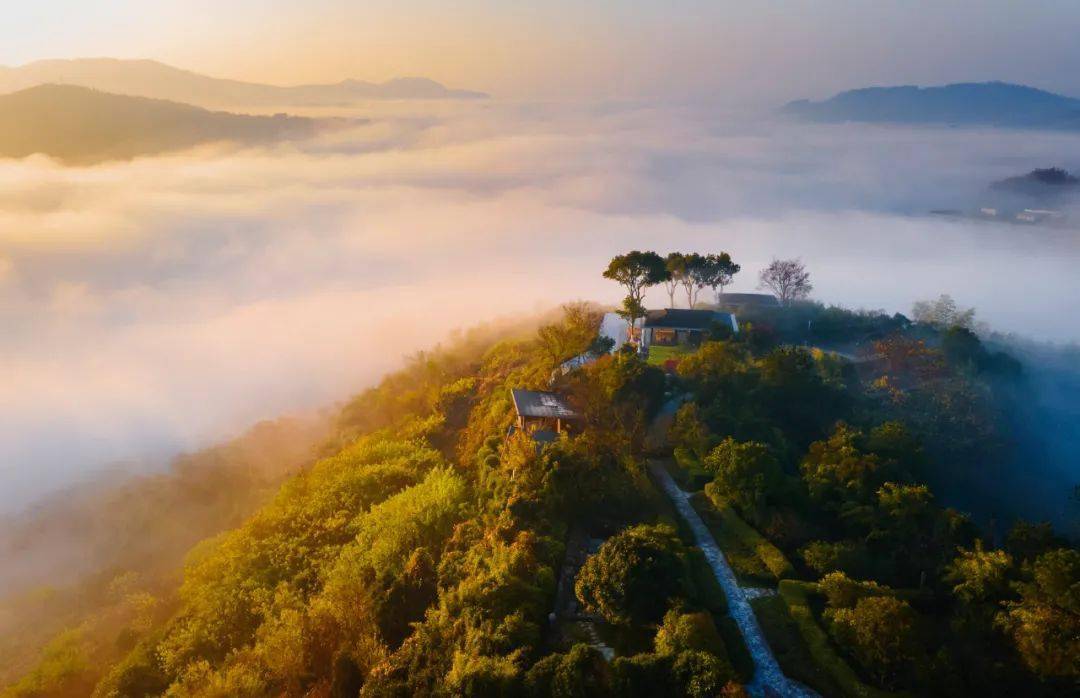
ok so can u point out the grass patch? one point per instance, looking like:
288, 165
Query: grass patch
795, 596
659, 355
755, 561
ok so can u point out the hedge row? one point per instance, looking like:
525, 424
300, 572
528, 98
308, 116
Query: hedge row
733, 528
794, 594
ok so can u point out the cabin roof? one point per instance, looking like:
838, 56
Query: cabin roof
532, 403
685, 319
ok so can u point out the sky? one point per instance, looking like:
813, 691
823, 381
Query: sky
723, 50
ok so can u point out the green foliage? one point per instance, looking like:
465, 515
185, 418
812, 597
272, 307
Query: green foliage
746, 474
635, 576
579, 673
1045, 624
880, 632
63, 660
689, 673
573, 334
738, 539
794, 595
835, 556
837, 470
789, 647
689, 432
682, 632
979, 575
843, 592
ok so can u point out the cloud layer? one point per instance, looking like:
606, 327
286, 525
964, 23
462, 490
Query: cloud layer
162, 303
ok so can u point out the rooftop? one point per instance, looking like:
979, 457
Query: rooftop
531, 403
684, 319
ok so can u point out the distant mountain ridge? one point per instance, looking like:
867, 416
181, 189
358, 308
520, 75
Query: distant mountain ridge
972, 104
78, 125
147, 78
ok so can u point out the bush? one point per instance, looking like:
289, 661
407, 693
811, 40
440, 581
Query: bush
843, 592
746, 475
683, 631
794, 595
880, 633
732, 527
676, 675
635, 575
839, 556
580, 672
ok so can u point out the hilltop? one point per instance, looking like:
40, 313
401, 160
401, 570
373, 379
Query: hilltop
440, 546
961, 104
1050, 182
146, 78
78, 125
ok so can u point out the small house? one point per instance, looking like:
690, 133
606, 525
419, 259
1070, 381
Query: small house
543, 415
675, 326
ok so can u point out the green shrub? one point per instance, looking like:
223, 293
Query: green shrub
731, 529
683, 631
794, 594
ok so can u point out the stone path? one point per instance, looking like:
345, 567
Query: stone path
768, 680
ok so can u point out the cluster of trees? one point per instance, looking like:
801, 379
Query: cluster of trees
421, 555
834, 466
692, 272
638, 271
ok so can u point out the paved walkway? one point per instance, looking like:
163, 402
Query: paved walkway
768, 680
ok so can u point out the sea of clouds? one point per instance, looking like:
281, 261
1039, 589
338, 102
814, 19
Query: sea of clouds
165, 303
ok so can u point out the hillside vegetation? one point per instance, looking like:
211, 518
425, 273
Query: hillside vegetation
429, 551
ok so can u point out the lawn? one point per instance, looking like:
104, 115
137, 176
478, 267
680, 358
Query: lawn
660, 355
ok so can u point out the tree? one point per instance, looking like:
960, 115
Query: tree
979, 575
943, 313
718, 271
635, 575
630, 311
880, 630
693, 278
682, 632
580, 672
745, 474
675, 263
1045, 624
787, 279
636, 271
837, 470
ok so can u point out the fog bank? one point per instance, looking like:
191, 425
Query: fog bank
165, 303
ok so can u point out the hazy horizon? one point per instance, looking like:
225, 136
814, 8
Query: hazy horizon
733, 53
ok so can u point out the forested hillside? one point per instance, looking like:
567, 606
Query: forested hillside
433, 552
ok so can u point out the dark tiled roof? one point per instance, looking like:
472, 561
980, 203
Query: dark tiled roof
684, 319
530, 403
762, 299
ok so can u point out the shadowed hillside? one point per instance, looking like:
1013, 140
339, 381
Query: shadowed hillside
82, 126
973, 104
